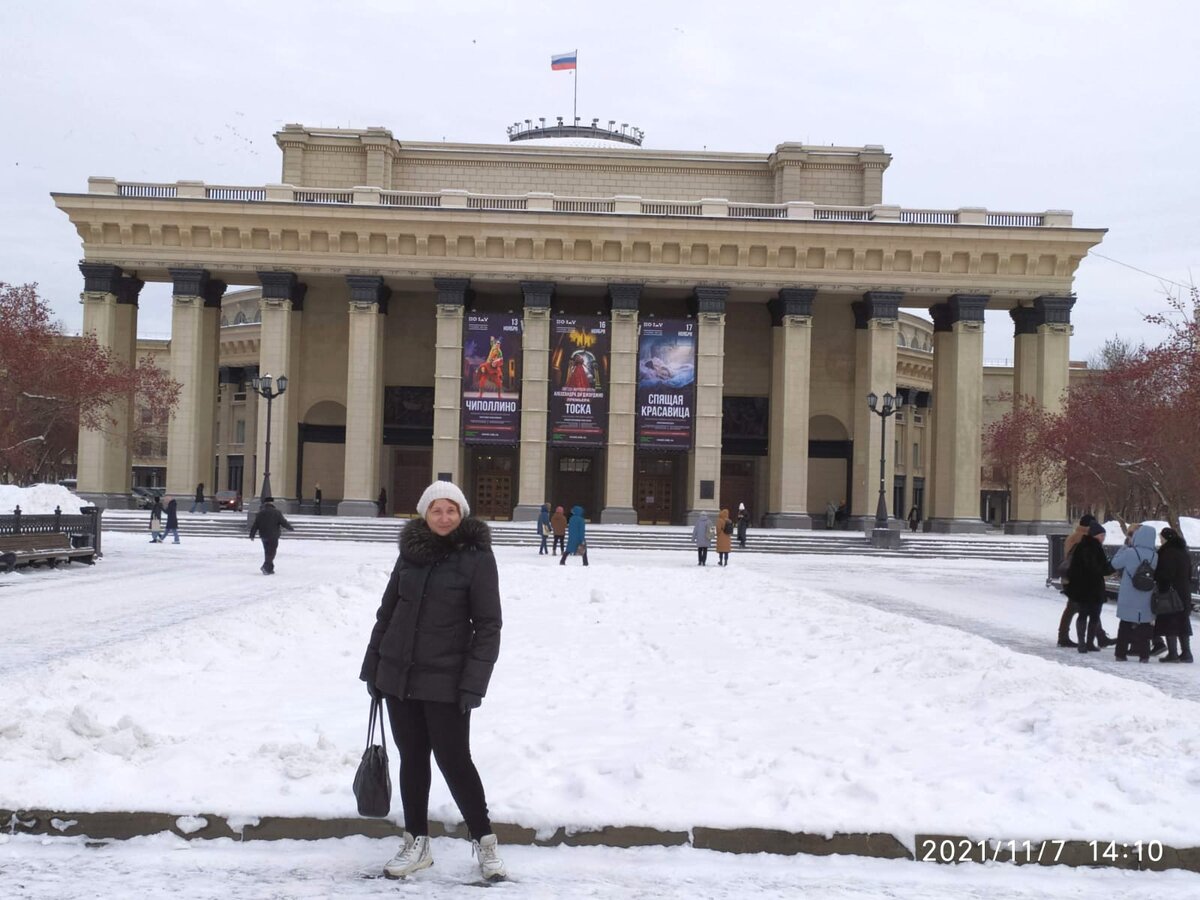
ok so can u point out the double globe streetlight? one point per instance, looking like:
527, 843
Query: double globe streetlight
263, 386
891, 406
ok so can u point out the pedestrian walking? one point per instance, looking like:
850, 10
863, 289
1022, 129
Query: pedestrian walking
914, 519
381, 503
430, 657
831, 512
701, 534
724, 537
156, 511
576, 538
199, 501
317, 497
543, 529
1085, 587
1174, 569
1136, 626
172, 521
268, 523
743, 523
558, 524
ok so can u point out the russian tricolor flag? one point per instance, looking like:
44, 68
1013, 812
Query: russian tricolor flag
560, 62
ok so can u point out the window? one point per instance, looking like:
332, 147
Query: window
575, 464
916, 455
239, 431
896, 453
240, 318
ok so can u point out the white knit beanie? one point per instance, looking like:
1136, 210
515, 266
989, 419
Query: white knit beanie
443, 490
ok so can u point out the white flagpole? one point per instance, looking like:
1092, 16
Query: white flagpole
575, 102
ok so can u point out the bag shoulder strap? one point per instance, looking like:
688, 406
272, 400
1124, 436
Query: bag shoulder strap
376, 716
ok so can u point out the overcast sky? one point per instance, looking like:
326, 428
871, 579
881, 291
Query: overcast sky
1016, 105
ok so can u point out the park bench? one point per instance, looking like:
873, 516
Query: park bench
34, 549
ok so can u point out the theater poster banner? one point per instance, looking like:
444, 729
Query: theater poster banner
666, 392
579, 361
491, 391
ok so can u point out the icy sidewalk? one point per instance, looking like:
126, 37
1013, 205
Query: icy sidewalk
169, 868
642, 691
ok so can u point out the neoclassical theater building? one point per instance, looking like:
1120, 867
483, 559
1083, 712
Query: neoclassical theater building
649, 334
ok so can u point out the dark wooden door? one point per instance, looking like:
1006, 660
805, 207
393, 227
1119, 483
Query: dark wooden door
494, 484
411, 474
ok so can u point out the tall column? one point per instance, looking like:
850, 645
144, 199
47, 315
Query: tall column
364, 394
1041, 365
104, 470
955, 450
622, 405
535, 399
282, 309
195, 336
452, 300
787, 452
874, 370
225, 429
704, 489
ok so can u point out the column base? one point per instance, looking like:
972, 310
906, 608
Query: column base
362, 508
526, 512
956, 526
693, 515
788, 520
106, 501
885, 539
866, 524
618, 515
1014, 526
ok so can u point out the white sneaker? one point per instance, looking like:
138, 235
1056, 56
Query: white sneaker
491, 866
413, 856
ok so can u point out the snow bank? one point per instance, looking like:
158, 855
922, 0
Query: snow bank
40, 499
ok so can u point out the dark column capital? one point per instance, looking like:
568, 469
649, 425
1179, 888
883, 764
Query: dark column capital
453, 291
958, 308
624, 296
537, 294
214, 293
189, 282
1054, 310
791, 302
369, 289
708, 298
128, 288
283, 286
1026, 320
100, 278
876, 305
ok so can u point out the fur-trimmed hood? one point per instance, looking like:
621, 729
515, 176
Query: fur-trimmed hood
420, 546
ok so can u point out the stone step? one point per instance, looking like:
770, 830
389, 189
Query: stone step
619, 537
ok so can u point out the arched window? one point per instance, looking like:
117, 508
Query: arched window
240, 318
900, 342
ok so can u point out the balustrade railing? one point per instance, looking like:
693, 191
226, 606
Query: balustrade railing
550, 203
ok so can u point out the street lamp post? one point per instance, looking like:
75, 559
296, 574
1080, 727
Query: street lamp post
891, 406
262, 386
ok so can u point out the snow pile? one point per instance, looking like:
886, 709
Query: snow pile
807, 693
1189, 528
40, 499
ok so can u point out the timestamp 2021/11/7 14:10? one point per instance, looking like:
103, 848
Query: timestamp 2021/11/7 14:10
945, 849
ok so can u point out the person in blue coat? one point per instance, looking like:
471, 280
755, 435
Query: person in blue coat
1133, 606
543, 528
575, 536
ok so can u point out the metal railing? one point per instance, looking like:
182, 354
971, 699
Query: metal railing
654, 208
497, 203
585, 206
235, 193
929, 216
387, 198
757, 212
132, 189
1024, 220
323, 196
841, 214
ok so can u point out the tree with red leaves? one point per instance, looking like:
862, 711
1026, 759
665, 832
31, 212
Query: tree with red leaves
1127, 442
52, 384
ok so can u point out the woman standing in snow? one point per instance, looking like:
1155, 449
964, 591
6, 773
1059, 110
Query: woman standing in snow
701, 534
576, 538
724, 538
1174, 569
558, 524
430, 657
1133, 605
743, 522
1085, 585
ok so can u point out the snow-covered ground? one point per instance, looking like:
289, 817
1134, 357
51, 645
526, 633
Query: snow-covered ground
166, 867
805, 693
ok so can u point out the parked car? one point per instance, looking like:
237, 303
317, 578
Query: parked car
229, 500
143, 497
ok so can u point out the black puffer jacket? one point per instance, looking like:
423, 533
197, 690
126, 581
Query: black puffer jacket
1085, 578
437, 631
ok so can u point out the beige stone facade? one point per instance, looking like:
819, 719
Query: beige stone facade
371, 250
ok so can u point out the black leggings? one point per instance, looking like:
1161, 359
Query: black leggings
701, 556
423, 726
560, 543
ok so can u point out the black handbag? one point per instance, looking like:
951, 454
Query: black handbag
373, 781
1166, 602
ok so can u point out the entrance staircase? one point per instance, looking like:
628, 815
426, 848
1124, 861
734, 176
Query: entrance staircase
617, 537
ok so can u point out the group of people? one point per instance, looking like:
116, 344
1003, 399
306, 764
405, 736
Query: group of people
569, 534
705, 534
1139, 630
